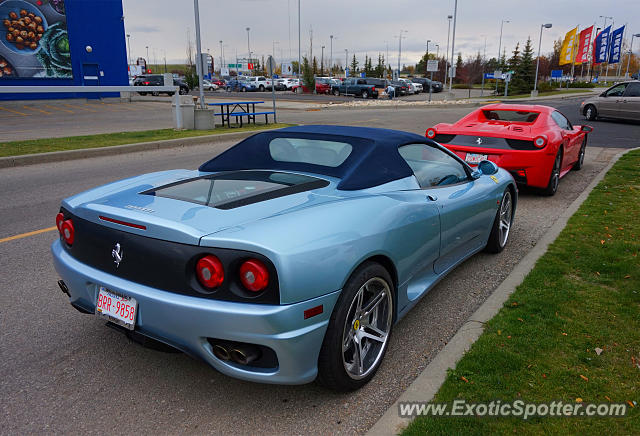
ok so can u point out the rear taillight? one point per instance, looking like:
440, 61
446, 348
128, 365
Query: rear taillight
540, 141
254, 275
210, 272
146, 83
67, 231
59, 221
431, 133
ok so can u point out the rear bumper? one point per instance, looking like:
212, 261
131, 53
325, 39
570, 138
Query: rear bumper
187, 322
537, 164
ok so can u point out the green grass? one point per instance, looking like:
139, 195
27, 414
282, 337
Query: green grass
16, 148
558, 92
582, 294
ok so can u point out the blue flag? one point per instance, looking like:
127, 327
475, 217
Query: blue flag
601, 46
616, 45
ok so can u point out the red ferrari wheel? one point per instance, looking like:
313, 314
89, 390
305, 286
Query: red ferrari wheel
554, 179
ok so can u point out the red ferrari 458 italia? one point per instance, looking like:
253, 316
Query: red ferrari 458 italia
536, 144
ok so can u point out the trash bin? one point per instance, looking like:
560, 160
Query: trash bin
187, 109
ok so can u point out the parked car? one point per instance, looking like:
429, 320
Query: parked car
321, 88
280, 85
208, 85
400, 88
266, 263
379, 84
158, 80
219, 82
620, 101
536, 144
411, 88
240, 84
357, 87
261, 83
424, 81
290, 83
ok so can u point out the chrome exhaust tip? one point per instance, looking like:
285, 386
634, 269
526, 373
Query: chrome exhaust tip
244, 355
63, 287
221, 352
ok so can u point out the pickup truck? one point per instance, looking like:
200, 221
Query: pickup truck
261, 83
355, 86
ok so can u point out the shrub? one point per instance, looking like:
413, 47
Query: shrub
546, 87
582, 85
461, 86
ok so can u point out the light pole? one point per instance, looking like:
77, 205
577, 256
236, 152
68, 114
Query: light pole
400, 49
322, 62
129, 47
446, 64
196, 12
534, 93
249, 49
427, 58
147, 59
299, 44
500, 48
453, 42
331, 56
221, 62
637, 35
437, 50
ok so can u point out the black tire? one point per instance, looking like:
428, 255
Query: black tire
504, 216
365, 94
228, 89
244, 89
155, 93
554, 178
170, 94
142, 93
332, 371
183, 91
261, 88
336, 92
299, 90
590, 112
580, 163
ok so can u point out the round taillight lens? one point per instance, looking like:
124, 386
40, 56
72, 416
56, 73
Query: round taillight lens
67, 231
254, 275
210, 271
540, 141
59, 221
431, 133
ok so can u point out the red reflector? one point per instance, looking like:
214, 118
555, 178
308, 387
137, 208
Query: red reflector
210, 271
68, 233
313, 312
254, 275
522, 173
122, 223
59, 221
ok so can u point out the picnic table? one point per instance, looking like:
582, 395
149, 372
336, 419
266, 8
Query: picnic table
238, 110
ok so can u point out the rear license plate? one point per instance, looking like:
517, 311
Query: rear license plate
117, 308
474, 158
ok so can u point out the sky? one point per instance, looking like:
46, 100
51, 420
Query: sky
361, 27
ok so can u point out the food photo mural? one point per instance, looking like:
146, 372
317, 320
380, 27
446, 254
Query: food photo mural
33, 40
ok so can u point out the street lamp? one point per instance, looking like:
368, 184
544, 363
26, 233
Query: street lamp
221, 62
248, 48
147, 59
129, 45
500, 48
346, 63
437, 50
400, 49
199, 66
453, 42
534, 93
331, 57
637, 35
446, 64
427, 60
322, 62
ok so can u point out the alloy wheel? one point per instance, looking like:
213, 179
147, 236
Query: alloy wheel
506, 212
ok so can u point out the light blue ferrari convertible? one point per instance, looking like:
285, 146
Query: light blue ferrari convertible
288, 257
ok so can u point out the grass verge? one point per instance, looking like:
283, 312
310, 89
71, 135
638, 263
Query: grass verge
16, 148
541, 94
582, 295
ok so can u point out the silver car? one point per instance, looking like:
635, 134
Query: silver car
620, 101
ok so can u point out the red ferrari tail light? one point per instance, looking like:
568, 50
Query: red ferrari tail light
210, 271
67, 231
431, 133
254, 275
540, 141
146, 83
59, 221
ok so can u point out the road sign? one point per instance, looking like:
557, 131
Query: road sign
234, 65
452, 72
432, 65
271, 65
287, 68
346, 72
489, 76
556, 74
250, 66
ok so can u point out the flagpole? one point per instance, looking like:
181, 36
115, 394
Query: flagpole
590, 51
607, 57
621, 51
573, 54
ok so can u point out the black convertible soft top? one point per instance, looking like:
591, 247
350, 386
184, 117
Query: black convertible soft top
374, 159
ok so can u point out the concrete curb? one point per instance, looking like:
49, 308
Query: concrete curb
429, 381
403, 106
58, 156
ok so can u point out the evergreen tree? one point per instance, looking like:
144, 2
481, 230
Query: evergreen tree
354, 66
307, 75
526, 68
369, 71
315, 66
514, 60
379, 70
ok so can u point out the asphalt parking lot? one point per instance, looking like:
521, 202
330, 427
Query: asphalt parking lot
65, 372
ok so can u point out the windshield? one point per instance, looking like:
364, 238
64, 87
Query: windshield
313, 151
510, 115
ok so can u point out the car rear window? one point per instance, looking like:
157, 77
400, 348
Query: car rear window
510, 115
240, 188
312, 151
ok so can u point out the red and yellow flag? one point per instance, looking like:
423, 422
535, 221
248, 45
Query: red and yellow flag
584, 44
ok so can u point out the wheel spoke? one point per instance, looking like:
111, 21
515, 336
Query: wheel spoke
358, 358
373, 304
377, 335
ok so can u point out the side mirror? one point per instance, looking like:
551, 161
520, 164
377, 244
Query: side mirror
475, 174
487, 168
586, 129
604, 94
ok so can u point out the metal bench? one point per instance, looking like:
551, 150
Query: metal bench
251, 116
